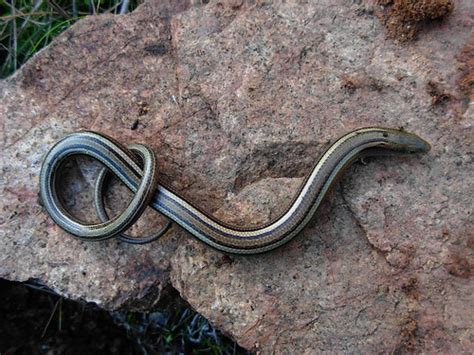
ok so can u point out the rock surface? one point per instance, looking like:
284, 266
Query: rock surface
238, 99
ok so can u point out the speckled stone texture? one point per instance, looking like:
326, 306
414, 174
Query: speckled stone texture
238, 99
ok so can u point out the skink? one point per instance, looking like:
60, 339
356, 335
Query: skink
135, 166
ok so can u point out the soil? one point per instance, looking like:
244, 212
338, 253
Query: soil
466, 80
403, 19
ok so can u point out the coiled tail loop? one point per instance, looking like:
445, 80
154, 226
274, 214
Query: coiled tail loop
141, 179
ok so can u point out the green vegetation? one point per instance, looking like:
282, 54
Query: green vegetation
176, 330
26, 26
35, 320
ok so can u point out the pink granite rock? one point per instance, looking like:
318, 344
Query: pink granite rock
238, 99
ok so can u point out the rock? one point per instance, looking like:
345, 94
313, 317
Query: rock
238, 100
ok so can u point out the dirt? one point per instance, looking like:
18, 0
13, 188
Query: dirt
466, 79
437, 93
404, 19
